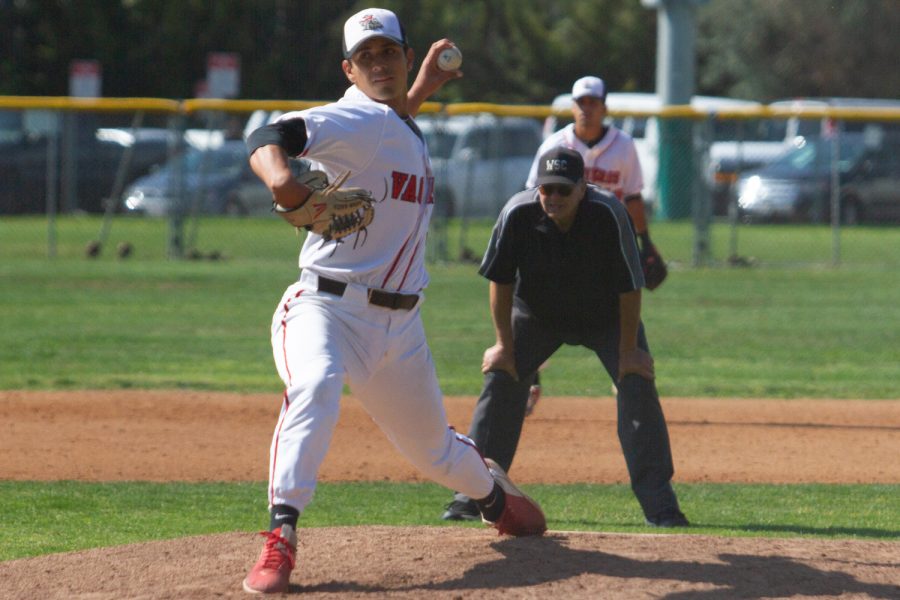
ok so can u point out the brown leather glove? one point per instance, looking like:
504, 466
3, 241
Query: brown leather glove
652, 263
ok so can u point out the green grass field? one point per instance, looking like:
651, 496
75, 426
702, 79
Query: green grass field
106, 514
779, 331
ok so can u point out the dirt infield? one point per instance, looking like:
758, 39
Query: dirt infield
141, 435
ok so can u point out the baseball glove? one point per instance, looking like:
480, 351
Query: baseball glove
330, 211
652, 263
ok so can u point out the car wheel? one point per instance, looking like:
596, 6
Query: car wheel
235, 208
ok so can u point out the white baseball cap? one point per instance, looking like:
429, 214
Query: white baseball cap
589, 86
371, 22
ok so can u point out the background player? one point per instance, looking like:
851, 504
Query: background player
563, 268
354, 313
611, 163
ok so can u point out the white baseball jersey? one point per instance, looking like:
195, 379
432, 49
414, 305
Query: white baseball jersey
322, 338
611, 164
385, 156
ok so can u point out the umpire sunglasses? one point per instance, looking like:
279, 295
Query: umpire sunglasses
560, 189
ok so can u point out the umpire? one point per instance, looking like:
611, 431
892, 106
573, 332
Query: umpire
564, 268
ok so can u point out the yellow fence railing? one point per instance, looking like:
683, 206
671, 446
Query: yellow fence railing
192, 106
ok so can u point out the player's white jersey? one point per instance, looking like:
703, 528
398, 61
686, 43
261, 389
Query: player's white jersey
385, 156
611, 164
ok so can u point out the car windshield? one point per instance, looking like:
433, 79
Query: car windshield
749, 130
815, 155
636, 127
226, 160
10, 125
440, 142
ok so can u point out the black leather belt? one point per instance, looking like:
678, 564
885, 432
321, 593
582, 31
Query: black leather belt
391, 300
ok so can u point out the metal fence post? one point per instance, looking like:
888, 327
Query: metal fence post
52, 186
175, 248
836, 193
701, 204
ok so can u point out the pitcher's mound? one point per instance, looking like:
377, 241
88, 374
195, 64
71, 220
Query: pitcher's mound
461, 562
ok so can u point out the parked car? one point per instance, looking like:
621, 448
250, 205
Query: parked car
797, 185
479, 161
216, 180
96, 155
734, 145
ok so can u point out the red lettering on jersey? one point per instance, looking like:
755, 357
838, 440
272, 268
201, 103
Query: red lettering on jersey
409, 194
603, 177
398, 179
412, 188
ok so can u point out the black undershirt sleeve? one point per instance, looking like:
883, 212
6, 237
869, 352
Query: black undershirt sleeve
290, 135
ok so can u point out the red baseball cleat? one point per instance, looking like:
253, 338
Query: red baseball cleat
272, 572
521, 516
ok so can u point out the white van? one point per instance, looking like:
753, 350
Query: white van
734, 145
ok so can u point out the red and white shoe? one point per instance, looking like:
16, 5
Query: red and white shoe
272, 572
521, 515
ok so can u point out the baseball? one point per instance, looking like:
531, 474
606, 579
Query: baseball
450, 59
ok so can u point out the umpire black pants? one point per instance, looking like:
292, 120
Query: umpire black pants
500, 411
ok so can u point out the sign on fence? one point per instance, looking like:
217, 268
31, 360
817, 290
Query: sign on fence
85, 78
223, 74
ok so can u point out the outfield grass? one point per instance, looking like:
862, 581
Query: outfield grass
781, 332
106, 514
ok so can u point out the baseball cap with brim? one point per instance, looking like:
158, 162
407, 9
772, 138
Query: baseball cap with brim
560, 165
589, 86
368, 23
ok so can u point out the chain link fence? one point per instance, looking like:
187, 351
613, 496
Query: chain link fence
727, 184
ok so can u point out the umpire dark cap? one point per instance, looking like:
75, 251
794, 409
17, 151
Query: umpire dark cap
371, 22
560, 165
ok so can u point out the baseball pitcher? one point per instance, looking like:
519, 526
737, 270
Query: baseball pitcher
353, 315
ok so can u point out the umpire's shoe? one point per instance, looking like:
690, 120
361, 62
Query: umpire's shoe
272, 572
671, 517
521, 515
462, 508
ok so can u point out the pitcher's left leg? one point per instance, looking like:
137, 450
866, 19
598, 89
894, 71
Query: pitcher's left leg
403, 397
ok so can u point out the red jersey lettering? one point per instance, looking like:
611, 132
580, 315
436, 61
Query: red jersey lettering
398, 181
409, 194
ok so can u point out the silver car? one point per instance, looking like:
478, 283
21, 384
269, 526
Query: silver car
797, 185
214, 180
479, 161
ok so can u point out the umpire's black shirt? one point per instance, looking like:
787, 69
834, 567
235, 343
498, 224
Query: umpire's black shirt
569, 281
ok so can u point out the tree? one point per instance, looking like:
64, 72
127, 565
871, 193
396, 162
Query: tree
516, 51
766, 49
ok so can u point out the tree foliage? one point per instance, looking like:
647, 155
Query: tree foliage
766, 49
516, 51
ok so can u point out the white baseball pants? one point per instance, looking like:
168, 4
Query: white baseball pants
318, 339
